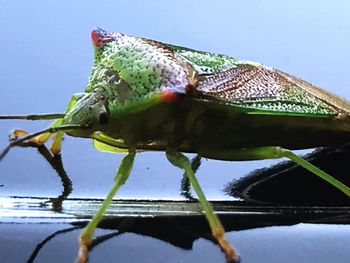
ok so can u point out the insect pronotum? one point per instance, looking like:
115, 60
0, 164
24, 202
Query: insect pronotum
146, 95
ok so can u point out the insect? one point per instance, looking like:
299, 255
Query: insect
143, 95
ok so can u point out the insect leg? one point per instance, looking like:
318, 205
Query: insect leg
218, 231
42, 138
315, 170
56, 142
120, 178
273, 152
26, 137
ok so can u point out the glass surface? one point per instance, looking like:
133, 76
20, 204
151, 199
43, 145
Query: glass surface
46, 55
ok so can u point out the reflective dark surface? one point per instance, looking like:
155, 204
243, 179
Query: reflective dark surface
173, 231
46, 55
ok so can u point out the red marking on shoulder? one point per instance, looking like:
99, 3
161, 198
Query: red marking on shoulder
168, 96
96, 38
100, 37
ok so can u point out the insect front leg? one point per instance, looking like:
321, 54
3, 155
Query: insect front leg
42, 138
120, 178
218, 231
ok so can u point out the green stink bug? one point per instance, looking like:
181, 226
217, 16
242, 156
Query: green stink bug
145, 95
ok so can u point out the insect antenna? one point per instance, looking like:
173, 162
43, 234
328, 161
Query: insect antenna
51, 130
44, 116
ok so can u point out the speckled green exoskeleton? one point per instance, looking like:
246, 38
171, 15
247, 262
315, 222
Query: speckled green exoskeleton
145, 95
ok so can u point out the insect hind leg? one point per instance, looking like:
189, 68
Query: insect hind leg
275, 152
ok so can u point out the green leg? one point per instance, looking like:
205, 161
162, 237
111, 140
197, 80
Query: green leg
273, 152
119, 179
56, 142
310, 167
218, 231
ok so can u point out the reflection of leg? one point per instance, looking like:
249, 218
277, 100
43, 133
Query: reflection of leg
181, 161
55, 161
40, 245
273, 152
119, 179
185, 183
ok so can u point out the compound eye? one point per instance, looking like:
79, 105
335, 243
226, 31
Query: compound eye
102, 118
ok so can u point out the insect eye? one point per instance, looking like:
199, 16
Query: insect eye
112, 78
102, 118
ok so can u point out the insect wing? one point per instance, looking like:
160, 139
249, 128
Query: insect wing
260, 90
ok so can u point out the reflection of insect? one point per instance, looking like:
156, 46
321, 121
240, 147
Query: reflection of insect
146, 95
